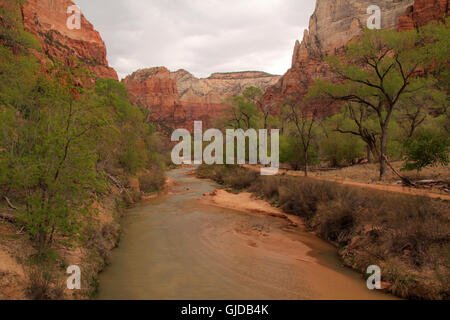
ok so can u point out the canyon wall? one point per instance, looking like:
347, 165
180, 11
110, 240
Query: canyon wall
332, 26
178, 98
423, 12
46, 19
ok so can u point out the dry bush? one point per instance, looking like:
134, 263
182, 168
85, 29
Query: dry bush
232, 176
302, 196
239, 178
205, 171
267, 187
43, 282
102, 239
152, 181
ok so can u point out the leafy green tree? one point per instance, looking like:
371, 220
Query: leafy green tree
356, 120
62, 134
306, 125
339, 149
425, 149
243, 114
378, 71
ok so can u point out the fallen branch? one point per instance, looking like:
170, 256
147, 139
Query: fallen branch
120, 186
404, 179
9, 203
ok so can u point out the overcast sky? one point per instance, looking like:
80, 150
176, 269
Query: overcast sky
201, 36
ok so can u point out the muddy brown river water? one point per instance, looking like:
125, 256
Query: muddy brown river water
175, 247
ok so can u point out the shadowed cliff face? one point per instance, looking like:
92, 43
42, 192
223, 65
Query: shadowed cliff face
178, 98
46, 19
332, 26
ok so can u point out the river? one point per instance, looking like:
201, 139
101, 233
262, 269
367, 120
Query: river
175, 247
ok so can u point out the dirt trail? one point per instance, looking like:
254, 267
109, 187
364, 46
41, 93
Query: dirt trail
381, 187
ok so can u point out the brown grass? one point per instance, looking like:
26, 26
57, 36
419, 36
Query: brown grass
152, 181
369, 173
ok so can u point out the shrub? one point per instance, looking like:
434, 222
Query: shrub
426, 149
302, 196
339, 149
43, 282
152, 181
239, 178
267, 187
232, 176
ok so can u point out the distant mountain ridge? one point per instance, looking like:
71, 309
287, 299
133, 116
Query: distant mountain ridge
179, 98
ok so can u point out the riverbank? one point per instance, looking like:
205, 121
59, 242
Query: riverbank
407, 236
181, 248
21, 280
247, 202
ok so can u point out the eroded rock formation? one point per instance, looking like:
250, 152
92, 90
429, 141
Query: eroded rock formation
422, 12
47, 20
178, 98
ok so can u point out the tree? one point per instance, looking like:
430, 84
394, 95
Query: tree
427, 148
306, 122
340, 149
379, 69
357, 120
243, 112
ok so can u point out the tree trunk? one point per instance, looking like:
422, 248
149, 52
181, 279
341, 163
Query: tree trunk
369, 155
306, 163
383, 164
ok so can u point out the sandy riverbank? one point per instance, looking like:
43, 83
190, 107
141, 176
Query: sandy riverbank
247, 202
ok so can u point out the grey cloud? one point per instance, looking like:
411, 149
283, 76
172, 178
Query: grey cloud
201, 36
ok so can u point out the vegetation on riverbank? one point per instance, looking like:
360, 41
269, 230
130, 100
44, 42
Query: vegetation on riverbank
407, 236
392, 92
72, 148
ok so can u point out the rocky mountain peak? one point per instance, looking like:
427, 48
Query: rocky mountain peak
47, 20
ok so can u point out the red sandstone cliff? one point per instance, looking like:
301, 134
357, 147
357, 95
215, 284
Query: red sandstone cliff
46, 19
178, 98
422, 12
333, 25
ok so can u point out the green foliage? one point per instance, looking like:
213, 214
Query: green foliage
243, 112
252, 94
339, 149
12, 31
59, 138
291, 152
380, 77
427, 148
